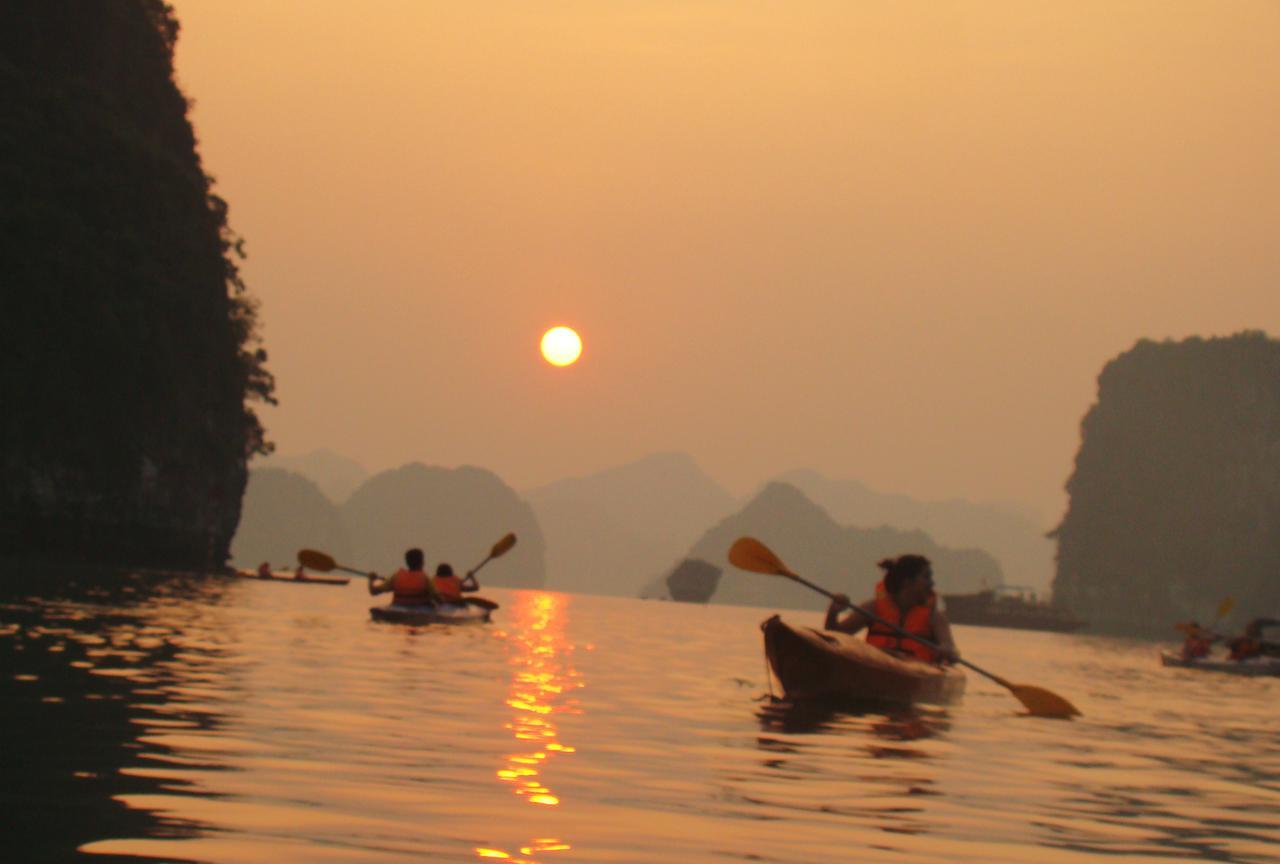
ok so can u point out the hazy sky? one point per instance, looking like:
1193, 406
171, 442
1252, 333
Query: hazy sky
892, 241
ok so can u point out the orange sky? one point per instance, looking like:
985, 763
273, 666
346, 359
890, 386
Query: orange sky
892, 241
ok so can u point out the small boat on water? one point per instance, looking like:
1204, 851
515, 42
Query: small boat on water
288, 576
446, 613
1253, 667
823, 664
1009, 606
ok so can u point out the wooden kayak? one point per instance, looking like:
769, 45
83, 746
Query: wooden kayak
1257, 666
287, 576
824, 664
446, 613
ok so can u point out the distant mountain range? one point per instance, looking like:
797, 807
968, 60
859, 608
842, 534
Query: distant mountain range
611, 532
1025, 554
336, 475
839, 558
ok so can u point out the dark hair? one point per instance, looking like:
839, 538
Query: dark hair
413, 559
444, 570
902, 569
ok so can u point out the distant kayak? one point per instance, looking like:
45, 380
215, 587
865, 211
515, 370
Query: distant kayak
1257, 666
823, 664
448, 613
287, 576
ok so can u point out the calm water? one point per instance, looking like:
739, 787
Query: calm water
235, 721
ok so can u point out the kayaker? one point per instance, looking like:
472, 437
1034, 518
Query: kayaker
1198, 641
264, 570
411, 586
1251, 644
904, 597
450, 587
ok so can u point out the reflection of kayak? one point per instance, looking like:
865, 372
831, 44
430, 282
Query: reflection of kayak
813, 663
1255, 666
448, 613
287, 576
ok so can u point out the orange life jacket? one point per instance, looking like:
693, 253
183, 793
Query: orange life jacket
449, 588
1196, 646
919, 622
411, 588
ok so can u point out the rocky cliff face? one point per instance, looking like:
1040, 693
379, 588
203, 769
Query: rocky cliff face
453, 515
129, 339
1175, 497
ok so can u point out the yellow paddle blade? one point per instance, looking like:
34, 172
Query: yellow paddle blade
313, 560
1043, 703
503, 546
748, 553
1226, 606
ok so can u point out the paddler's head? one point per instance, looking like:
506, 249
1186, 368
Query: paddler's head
909, 579
443, 569
413, 559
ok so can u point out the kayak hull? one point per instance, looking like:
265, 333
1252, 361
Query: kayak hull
824, 664
287, 576
1257, 667
450, 613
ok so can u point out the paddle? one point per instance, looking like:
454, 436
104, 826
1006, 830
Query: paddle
1224, 609
313, 560
502, 547
748, 553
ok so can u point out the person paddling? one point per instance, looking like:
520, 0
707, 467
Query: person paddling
1251, 644
1198, 642
264, 570
904, 597
411, 586
450, 587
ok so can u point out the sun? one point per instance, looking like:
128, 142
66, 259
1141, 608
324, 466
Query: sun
561, 346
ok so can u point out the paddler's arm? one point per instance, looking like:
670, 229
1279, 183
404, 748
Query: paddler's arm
469, 582
853, 622
378, 585
947, 642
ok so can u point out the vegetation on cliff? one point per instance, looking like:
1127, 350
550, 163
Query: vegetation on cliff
129, 334
1175, 497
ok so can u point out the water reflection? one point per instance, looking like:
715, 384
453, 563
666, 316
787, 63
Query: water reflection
541, 688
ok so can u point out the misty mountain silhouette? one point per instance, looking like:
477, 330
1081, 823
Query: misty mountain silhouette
610, 532
1025, 554
841, 559
282, 513
335, 474
453, 514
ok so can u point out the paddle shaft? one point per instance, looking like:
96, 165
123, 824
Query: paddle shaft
895, 628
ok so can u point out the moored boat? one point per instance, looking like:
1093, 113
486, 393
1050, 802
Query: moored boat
1009, 606
288, 576
446, 613
825, 664
1253, 667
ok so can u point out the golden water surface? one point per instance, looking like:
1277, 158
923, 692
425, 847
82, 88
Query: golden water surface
234, 721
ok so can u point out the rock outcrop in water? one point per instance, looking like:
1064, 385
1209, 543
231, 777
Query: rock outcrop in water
335, 474
454, 515
1175, 498
836, 557
690, 581
128, 334
282, 513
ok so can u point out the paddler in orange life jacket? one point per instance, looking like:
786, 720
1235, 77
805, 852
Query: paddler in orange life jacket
904, 597
410, 584
450, 587
1199, 641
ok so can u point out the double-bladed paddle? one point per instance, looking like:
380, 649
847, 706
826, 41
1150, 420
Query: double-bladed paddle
324, 563
748, 553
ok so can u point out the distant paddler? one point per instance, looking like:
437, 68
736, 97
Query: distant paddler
1251, 644
410, 585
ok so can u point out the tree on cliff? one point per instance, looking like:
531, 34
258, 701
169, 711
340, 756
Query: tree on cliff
1175, 498
129, 336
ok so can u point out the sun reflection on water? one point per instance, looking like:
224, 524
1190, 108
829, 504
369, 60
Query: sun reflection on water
542, 686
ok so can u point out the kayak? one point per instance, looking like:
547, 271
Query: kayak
1255, 666
287, 576
446, 613
824, 664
